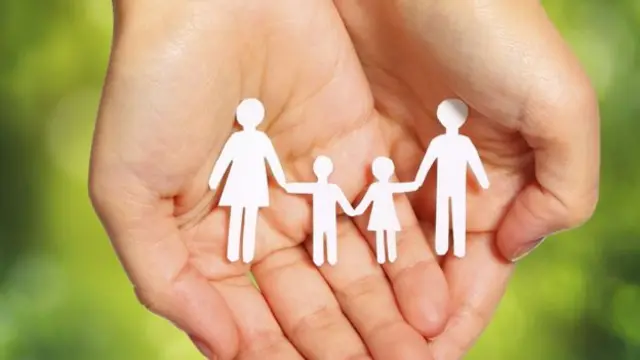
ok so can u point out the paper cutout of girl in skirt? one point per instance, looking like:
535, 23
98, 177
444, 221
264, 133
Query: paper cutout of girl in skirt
384, 219
246, 189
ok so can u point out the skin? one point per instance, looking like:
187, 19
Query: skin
352, 80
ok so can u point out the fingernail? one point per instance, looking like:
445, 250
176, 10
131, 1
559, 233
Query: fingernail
526, 249
203, 348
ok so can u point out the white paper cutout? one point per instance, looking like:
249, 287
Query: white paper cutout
453, 152
246, 189
325, 198
384, 220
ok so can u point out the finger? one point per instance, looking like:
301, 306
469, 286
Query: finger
477, 283
530, 81
260, 334
424, 306
150, 248
305, 306
368, 300
561, 124
416, 276
565, 140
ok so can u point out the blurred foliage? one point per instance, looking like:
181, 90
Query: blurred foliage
64, 296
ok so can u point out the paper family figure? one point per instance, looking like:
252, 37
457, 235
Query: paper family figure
383, 219
453, 153
325, 198
246, 189
247, 152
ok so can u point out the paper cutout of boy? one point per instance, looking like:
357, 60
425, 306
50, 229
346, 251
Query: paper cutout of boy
325, 197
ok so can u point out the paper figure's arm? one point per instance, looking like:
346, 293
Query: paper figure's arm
300, 188
221, 165
368, 198
405, 187
274, 162
476, 165
344, 202
427, 162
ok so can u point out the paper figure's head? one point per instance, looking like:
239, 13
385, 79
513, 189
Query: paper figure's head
382, 168
322, 167
452, 113
250, 113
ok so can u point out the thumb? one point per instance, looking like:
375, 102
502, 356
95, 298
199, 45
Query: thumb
157, 262
560, 122
564, 138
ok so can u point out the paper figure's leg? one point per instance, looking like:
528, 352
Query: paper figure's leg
235, 226
392, 246
318, 247
459, 219
249, 234
332, 247
380, 250
442, 224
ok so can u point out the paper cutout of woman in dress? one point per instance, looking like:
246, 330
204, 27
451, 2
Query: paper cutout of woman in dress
384, 220
246, 189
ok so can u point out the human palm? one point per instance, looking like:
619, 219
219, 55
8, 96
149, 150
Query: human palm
320, 104
508, 62
299, 61
166, 113
499, 57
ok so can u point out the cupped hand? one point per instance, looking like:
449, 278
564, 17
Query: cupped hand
534, 119
177, 72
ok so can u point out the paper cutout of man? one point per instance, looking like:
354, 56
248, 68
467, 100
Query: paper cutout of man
453, 152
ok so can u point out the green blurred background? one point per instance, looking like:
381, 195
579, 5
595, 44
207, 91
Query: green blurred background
64, 296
